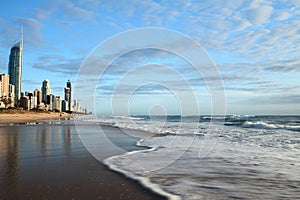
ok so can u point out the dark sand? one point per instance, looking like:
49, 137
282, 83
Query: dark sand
49, 162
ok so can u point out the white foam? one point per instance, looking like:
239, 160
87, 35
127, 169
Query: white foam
266, 125
183, 177
259, 124
175, 164
143, 180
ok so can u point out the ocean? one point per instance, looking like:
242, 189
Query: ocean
212, 157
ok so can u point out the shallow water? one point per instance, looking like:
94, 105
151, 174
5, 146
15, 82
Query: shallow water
213, 161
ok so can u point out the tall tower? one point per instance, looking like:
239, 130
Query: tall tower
68, 94
46, 90
15, 67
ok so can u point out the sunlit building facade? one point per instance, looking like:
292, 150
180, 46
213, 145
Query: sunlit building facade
4, 85
15, 69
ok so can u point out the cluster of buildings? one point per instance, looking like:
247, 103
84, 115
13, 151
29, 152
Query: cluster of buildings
44, 100
11, 95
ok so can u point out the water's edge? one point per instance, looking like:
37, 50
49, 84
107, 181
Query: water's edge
142, 180
271, 142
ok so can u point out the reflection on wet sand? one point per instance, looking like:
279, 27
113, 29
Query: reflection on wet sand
50, 136
9, 162
48, 161
13, 153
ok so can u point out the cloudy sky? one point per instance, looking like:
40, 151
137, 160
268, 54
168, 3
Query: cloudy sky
255, 46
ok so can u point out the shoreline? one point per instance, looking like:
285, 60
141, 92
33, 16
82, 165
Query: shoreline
60, 168
23, 116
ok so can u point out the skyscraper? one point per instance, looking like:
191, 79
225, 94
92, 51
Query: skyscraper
38, 94
15, 68
46, 90
68, 94
51, 101
4, 85
57, 104
11, 94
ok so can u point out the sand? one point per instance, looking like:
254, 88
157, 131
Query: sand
47, 161
21, 116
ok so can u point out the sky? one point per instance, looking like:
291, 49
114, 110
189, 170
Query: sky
254, 45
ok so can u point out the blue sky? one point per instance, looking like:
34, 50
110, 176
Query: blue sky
254, 44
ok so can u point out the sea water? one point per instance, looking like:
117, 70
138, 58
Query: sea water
213, 157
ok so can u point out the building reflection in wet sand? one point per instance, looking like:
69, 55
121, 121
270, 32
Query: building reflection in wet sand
25, 148
9, 162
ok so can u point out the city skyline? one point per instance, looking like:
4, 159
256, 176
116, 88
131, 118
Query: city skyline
40, 96
253, 43
41, 99
11, 94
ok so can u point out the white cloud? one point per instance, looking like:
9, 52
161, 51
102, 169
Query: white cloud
260, 15
79, 13
241, 23
283, 16
66, 11
42, 14
32, 30
58, 63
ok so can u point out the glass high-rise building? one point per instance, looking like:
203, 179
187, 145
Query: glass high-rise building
15, 68
46, 90
68, 94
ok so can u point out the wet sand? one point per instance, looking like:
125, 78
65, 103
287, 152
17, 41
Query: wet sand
47, 161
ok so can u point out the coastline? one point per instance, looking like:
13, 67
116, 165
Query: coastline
24, 116
49, 161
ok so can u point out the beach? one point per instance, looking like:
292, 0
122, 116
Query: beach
245, 157
49, 161
15, 116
